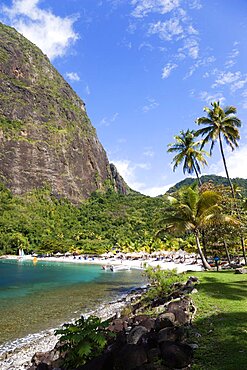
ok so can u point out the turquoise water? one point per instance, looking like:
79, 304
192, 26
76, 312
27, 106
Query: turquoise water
44, 295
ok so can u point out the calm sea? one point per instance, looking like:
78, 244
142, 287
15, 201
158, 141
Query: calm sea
35, 297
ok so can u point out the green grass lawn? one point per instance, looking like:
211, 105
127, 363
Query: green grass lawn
220, 325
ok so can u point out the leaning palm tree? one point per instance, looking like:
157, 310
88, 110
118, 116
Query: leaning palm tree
189, 153
220, 123
193, 211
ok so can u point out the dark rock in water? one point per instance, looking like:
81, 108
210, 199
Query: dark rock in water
130, 357
46, 137
136, 334
176, 355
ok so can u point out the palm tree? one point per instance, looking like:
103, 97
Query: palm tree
221, 123
192, 211
189, 153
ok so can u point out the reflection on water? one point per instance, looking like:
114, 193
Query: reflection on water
34, 298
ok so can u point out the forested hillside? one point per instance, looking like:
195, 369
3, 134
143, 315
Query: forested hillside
39, 222
42, 223
216, 180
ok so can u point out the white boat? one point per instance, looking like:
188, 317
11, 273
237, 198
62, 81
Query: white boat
119, 268
22, 255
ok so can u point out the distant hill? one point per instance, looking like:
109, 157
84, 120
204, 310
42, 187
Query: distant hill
217, 180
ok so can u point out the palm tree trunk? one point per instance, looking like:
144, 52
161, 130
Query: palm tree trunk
243, 249
227, 252
197, 175
224, 162
233, 195
206, 265
204, 244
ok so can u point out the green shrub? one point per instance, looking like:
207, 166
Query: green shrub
161, 281
82, 340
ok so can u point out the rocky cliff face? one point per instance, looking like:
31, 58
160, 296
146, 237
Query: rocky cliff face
46, 137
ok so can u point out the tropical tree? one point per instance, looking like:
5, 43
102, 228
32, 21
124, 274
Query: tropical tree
220, 123
192, 211
189, 153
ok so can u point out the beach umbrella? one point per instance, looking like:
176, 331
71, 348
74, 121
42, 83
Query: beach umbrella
58, 254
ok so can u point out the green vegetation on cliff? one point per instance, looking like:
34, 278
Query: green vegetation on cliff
46, 136
38, 221
42, 222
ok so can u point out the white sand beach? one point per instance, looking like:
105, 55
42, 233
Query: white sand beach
191, 262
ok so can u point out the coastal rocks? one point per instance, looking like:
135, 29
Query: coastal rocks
17, 355
174, 334
152, 343
176, 355
47, 360
142, 341
130, 357
181, 309
165, 320
136, 334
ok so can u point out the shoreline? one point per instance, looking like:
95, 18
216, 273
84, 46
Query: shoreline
19, 356
139, 264
18, 353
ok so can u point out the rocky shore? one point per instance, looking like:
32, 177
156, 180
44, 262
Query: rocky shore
18, 354
153, 335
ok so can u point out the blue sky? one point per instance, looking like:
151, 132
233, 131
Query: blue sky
145, 69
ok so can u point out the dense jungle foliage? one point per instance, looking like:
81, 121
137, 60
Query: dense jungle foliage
39, 222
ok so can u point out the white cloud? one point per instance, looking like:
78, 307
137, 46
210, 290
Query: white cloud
72, 76
234, 161
144, 7
227, 78
167, 70
244, 100
52, 34
87, 90
195, 4
167, 30
154, 191
148, 152
151, 104
209, 97
236, 80
128, 171
231, 59
191, 48
146, 45
108, 121
201, 62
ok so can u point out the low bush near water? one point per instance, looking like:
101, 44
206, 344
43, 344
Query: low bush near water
82, 340
161, 281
